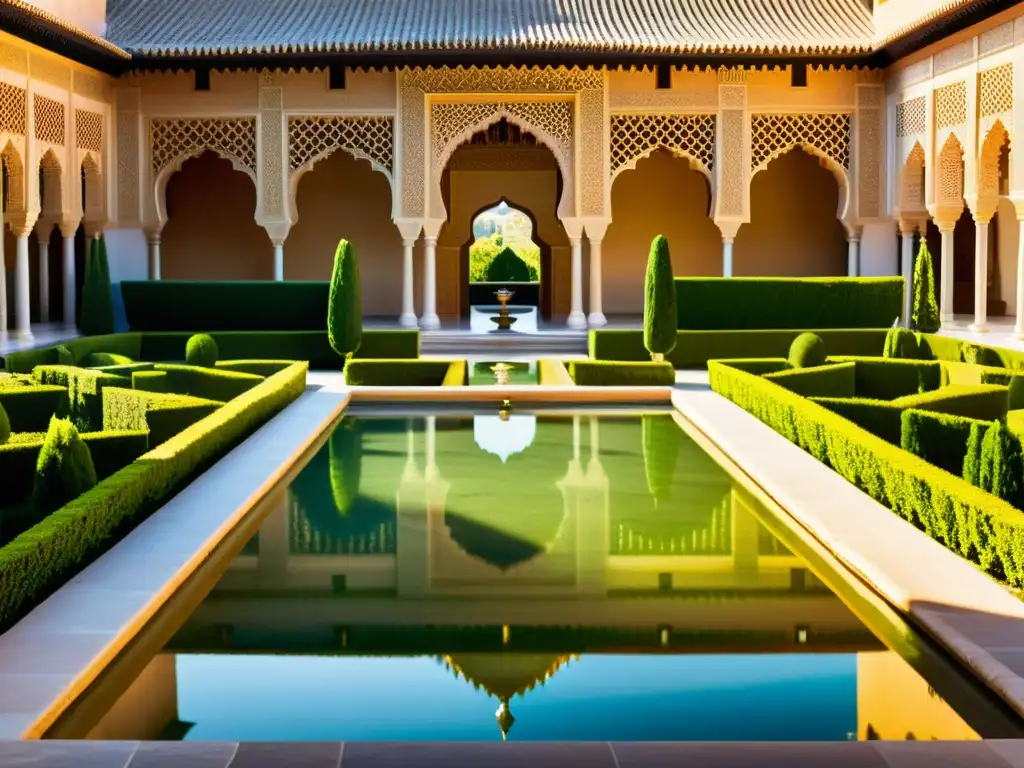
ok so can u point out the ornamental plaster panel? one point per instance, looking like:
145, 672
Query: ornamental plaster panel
730, 195
996, 39
128, 165
91, 87
701, 99
13, 109
50, 70
88, 130
502, 79
732, 97
11, 157
414, 152
593, 152
173, 140
774, 135
636, 136
910, 117
996, 90
988, 165
951, 105
869, 97
314, 137
909, 75
951, 174
870, 146
272, 151
14, 59
955, 56
49, 120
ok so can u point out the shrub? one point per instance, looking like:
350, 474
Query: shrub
257, 367
972, 523
201, 350
399, 373
344, 309
881, 419
661, 442
345, 447
986, 402
45, 556
65, 356
127, 344
835, 380
5, 426
103, 360
901, 343
759, 365
659, 302
97, 313
507, 267
807, 351
84, 391
1013, 381
972, 454
29, 408
694, 348
149, 381
744, 303
938, 438
887, 379
64, 469
978, 354
208, 383
1002, 465
163, 415
925, 315
610, 373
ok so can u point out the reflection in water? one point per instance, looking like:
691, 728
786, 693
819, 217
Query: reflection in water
604, 579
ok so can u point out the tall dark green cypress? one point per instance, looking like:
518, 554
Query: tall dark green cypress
344, 310
97, 313
660, 322
925, 315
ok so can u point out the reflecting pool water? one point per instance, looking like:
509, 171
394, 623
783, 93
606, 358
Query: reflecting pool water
531, 576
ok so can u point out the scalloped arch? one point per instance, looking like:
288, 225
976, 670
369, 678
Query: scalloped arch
173, 166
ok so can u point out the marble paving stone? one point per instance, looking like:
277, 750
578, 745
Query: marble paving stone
748, 755
184, 754
292, 754
944, 754
50, 652
475, 755
1012, 751
80, 608
66, 754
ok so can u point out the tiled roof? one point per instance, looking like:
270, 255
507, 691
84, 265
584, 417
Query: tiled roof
205, 27
54, 25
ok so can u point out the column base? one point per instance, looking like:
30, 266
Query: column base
597, 320
948, 323
577, 321
430, 322
978, 327
408, 321
21, 335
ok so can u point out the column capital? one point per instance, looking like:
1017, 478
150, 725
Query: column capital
908, 226
432, 228
68, 227
409, 229
596, 229
854, 233
573, 227
982, 208
22, 224
729, 228
277, 231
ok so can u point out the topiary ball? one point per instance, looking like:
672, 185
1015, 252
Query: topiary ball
64, 470
807, 351
5, 426
201, 350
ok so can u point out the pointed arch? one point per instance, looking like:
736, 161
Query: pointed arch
950, 192
826, 161
996, 140
164, 174
912, 180
51, 186
92, 175
296, 176
14, 189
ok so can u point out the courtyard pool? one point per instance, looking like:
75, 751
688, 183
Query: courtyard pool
529, 575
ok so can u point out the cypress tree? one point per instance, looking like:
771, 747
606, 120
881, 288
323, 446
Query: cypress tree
925, 316
345, 448
1002, 464
97, 313
344, 310
660, 321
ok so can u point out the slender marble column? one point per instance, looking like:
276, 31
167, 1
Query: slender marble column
430, 320
1019, 325
22, 286
908, 276
408, 317
577, 319
279, 260
154, 255
44, 276
3, 279
727, 256
946, 279
596, 319
980, 324
853, 257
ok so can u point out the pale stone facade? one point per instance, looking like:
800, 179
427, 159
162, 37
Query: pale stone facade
880, 134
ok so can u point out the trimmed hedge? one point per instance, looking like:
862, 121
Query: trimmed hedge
127, 370
150, 381
553, 373
758, 365
881, 378
405, 373
103, 359
745, 303
986, 402
29, 408
970, 522
46, 555
207, 383
127, 344
694, 348
163, 415
85, 391
880, 418
833, 380
610, 373
257, 367
64, 470
938, 438
207, 306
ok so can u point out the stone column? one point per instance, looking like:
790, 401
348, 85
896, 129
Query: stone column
946, 273
43, 243
981, 222
727, 257
279, 260
907, 260
595, 234
574, 229
410, 231
153, 238
22, 283
430, 321
1018, 329
853, 255
3, 279
67, 232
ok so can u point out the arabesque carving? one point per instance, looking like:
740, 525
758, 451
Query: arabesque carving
996, 90
502, 79
774, 135
314, 137
171, 140
88, 130
910, 117
13, 109
951, 105
49, 117
635, 136
951, 173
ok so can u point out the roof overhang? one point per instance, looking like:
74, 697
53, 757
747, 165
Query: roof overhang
52, 33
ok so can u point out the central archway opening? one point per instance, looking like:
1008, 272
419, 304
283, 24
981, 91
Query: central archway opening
501, 190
